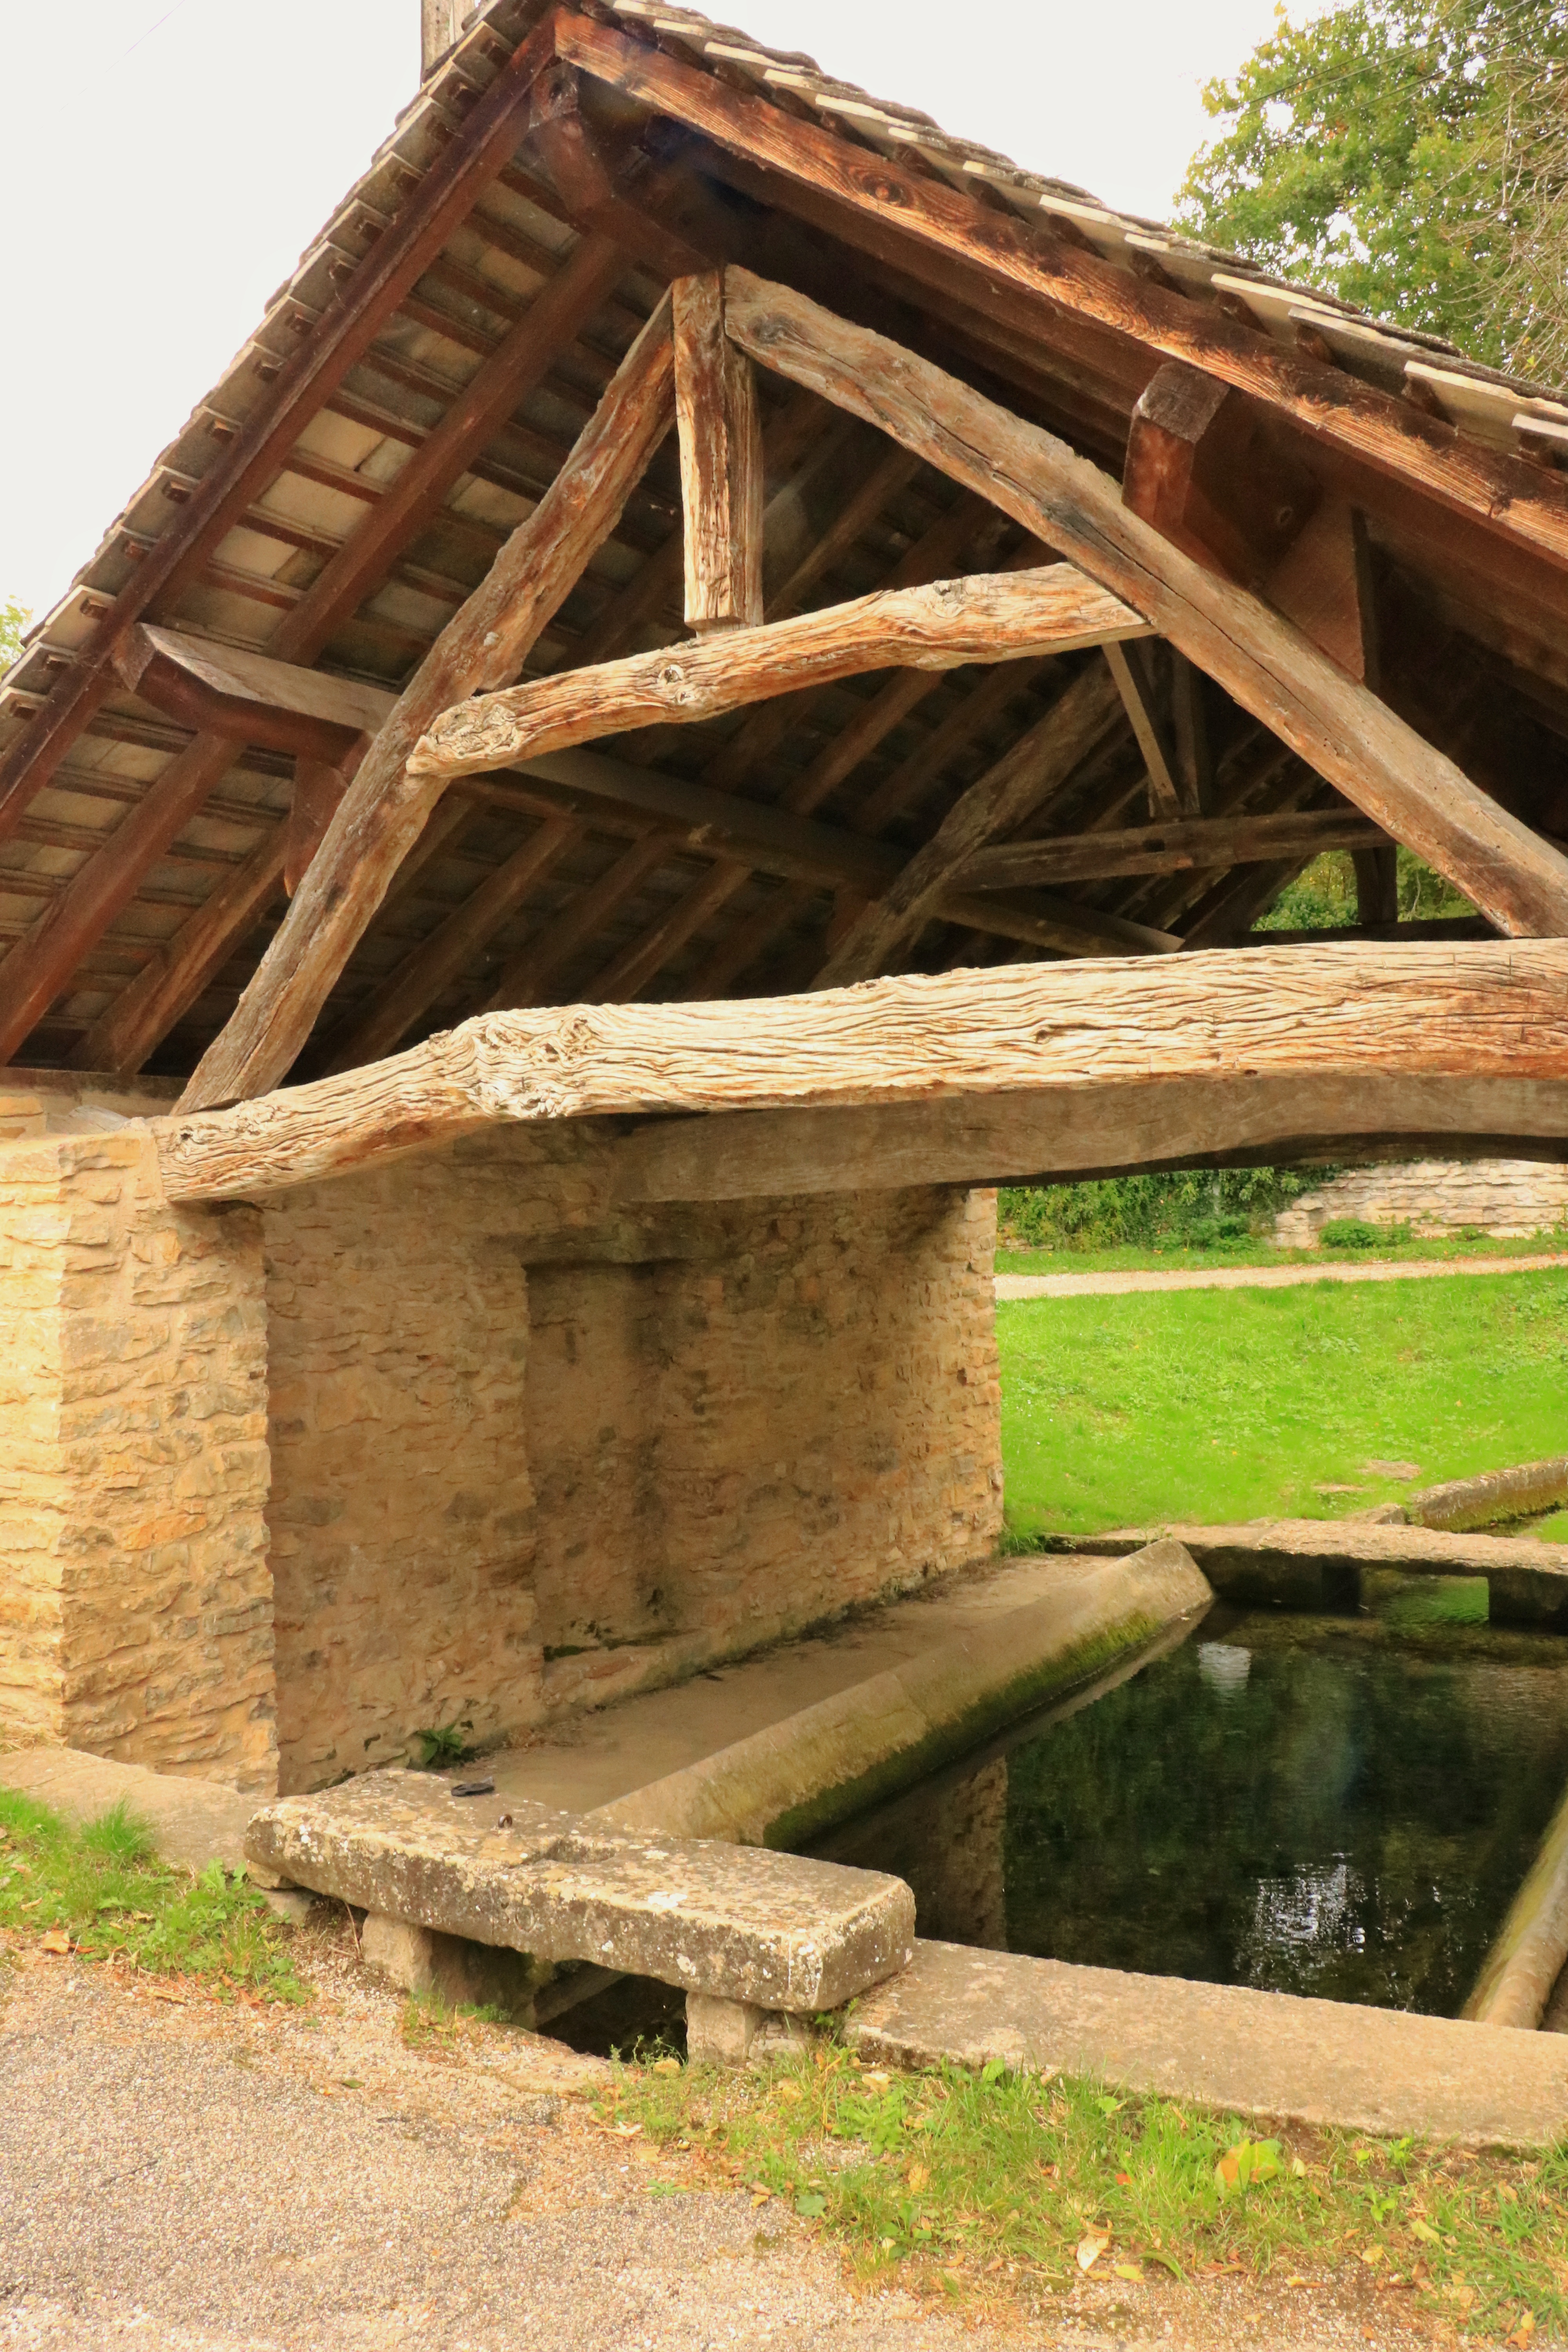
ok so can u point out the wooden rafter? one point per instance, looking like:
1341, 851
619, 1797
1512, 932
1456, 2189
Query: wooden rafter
340, 338
383, 814
1342, 729
1168, 849
1017, 270
995, 616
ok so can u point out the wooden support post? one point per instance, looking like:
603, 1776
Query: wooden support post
1208, 469
1340, 727
1136, 689
720, 426
990, 616
1195, 755
488, 639
1377, 885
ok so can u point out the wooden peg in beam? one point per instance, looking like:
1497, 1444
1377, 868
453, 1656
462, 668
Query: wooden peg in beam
720, 426
319, 786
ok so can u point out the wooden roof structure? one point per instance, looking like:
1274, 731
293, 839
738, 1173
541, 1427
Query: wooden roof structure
959, 572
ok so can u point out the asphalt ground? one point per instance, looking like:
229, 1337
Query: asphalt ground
182, 2175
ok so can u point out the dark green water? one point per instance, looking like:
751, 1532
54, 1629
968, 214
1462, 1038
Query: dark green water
1289, 1802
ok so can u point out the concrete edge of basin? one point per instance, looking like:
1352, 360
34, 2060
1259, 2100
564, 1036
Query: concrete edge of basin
1332, 2064
803, 1775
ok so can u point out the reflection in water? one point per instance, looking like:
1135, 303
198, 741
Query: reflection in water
1284, 1803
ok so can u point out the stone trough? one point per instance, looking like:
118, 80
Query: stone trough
741, 1930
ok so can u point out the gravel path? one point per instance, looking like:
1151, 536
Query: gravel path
188, 2178
1257, 1277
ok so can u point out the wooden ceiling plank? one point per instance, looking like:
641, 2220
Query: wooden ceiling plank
720, 430
385, 809
1062, 281
257, 453
993, 616
1340, 727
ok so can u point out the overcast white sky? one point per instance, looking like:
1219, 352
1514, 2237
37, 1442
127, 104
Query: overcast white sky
164, 161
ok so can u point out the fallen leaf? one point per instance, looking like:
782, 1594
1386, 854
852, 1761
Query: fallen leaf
1128, 2271
876, 2077
920, 2175
790, 2091
180, 2000
1525, 2329
1090, 2251
666, 2065
1425, 2230
1371, 2255
1295, 2279
56, 1941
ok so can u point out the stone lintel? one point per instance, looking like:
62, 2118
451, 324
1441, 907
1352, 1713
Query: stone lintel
737, 1923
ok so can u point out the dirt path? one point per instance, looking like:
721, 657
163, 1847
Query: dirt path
1257, 1277
184, 2177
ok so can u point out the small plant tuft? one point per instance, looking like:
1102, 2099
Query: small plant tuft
445, 1743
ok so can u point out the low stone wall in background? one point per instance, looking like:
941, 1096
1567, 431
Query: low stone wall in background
1506, 1197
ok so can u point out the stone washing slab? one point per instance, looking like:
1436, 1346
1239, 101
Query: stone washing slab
1261, 2054
193, 1823
736, 1923
1512, 1494
790, 1780
1317, 1563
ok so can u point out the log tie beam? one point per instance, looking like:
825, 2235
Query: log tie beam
1215, 842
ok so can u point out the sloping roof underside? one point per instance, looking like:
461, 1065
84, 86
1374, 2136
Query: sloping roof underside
625, 910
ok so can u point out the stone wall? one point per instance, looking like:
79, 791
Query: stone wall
459, 1440
1434, 1196
135, 1599
530, 1453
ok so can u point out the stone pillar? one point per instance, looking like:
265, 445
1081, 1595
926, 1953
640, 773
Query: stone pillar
135, 1595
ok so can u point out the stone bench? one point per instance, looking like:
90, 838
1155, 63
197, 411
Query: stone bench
741, 1930
1319, 1564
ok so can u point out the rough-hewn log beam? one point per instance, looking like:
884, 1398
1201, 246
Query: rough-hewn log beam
995, 616
1004, 259
1340, 729
1004, 797
488, 639
1495, 1010
339, 339
1071, 1134
1198, 842
719, 427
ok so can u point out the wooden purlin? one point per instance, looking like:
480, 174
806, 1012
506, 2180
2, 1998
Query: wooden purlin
32, 977
379, 281
385, 809
1507, 495
1353, 740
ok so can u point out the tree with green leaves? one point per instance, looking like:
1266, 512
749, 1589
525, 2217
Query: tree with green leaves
1412, 156
13, 619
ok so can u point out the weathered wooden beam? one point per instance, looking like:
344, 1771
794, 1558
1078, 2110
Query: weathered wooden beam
1194, 754
1323, 583
1015, 270
1072, 1134
719, 427
318, 789
407, 993
995, 616
337, 341
1208, 469
1377, 885
102, 888
486, 639
1135, 687
1004, 797
1341, 729
252, 697
1197, 842
1478, 1011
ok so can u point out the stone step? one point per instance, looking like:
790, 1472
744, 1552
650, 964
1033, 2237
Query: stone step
742, 1923
1317, 1563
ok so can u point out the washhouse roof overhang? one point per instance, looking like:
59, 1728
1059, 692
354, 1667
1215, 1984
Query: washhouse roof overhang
1244, 575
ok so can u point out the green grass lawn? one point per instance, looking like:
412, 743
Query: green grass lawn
1232, 1404
1174, 1258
